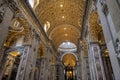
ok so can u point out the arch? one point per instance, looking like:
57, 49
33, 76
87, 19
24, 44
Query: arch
12, 37
69, 59
69, 53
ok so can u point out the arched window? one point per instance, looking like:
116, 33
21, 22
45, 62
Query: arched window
67, 46
33, 3
46, 26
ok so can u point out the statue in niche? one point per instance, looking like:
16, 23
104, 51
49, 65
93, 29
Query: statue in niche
117, 47
8, 67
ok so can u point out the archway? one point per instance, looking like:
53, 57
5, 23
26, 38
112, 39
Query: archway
69, 61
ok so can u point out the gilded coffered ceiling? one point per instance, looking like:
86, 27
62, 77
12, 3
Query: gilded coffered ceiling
61, 14
64, 33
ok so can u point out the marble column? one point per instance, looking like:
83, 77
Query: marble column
23, 64
43, 69
48, 63
109, 41
60, 71
32, 58
83, 70
114, 10
78, 71
52, 72
96, 65
84, 66
37, 70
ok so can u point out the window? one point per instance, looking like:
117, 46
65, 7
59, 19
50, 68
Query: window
67, 46
46, 26
31, 2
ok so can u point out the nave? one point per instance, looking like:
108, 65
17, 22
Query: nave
59, 40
